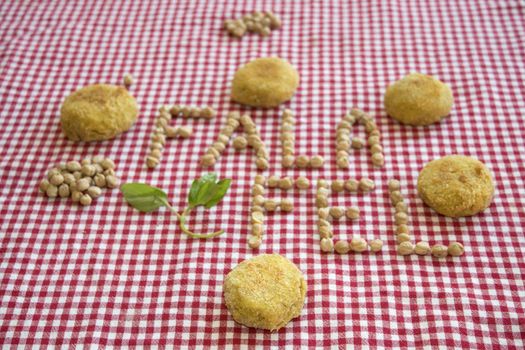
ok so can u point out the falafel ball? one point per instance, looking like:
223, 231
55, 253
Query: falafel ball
418, 99
266, 292
456, 186
97, 112
264, 82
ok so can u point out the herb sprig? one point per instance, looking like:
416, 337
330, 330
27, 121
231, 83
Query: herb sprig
205, 191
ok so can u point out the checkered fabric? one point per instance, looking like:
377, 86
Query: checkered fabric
107, 275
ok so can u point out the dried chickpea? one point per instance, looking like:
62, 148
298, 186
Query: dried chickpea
396, 197
323, 223
323, 213
373, 140
259, 200
378, 159
405, 248
275, 22
343, 124
207, 160
342, 146
74, 166
223, 139
302, 183
286, 205
254, 242
325, 232
75, 196
127, 80
255, 208
214, 152
321, 202
403, 228
56, 179
358, 244
82, 184
207, 112
257, 190
316, 162
321, 183
160, 138
88, 170
285, 183
455, 249
152, 162
100, 180
257, 217
342, 247
394, 185
184, 131
375, 245
349, 118
439, 251
239, 143
44, 184
401, 218
98, 168
302, 161
261, 163
270, 205
85, 199
52, 191
357, 143
107, 164
257, 230
219, 146
94, 191
337, 212
343, 162
327, 245
366, 185
338, 185
352, 213
260, 180
156, 145
112, 181
422, 248
376, 149
323, 191
401, 207
288, 161
155, 153
402, 237
175, 110
352, 185
63, 191
273, 181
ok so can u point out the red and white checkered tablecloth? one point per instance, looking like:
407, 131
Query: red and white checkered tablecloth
107, 275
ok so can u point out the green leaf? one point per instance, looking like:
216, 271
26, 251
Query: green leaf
200, 189
143, 197
218, 192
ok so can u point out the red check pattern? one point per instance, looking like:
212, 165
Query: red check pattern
106, 275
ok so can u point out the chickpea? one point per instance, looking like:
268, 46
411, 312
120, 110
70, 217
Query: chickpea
327, 245
302, 183
375, 245
455, 249
342, 247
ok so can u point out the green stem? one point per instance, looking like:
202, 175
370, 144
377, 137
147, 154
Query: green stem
182, 224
